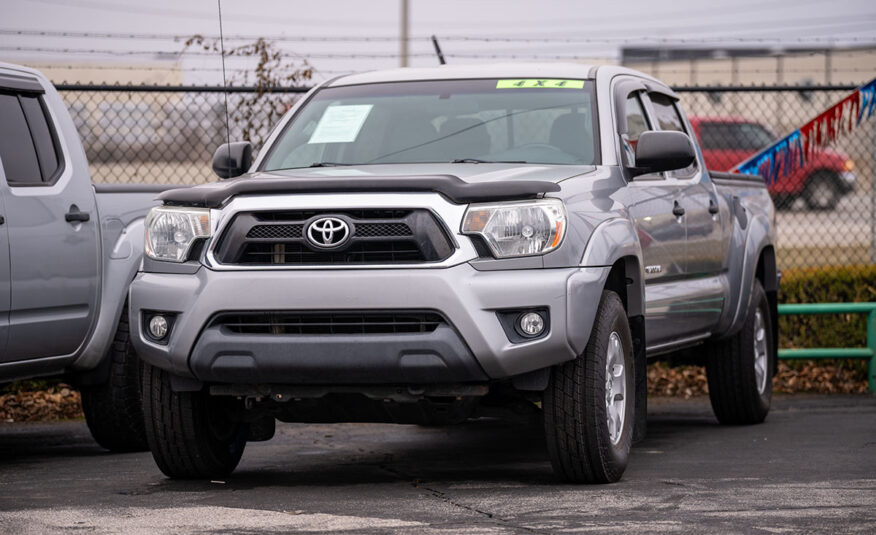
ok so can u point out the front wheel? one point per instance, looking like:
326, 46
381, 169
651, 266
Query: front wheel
192, 435
740, 368
113, 409
590, 401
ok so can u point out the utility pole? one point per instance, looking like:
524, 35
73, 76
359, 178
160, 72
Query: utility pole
403, 38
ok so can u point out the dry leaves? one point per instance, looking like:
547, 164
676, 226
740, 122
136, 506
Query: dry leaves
59, 402
810, 376
820, 378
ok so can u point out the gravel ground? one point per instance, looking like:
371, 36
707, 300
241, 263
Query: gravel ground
811, 468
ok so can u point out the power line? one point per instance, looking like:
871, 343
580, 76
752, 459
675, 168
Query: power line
388, 55
191, 14
425, 39
181, 53
719, 27
166, 69
178, 37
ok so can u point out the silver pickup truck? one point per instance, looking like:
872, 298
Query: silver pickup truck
68, 250
421, 245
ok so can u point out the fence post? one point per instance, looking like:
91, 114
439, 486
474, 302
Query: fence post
872, 174
871, 343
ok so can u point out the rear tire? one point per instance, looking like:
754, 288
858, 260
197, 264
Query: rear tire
589, 403
740, 368
113, 409
191, 434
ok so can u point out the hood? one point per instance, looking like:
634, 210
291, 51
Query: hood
467, 183
469, 172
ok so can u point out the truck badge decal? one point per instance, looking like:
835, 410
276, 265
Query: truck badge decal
328, 232
529, 83
653, 269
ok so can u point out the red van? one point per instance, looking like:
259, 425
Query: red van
727, 141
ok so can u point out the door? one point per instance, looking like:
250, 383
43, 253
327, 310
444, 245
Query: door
652, 199
51, 222
703, 287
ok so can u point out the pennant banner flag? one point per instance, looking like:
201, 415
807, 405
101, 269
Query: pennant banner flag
790, 152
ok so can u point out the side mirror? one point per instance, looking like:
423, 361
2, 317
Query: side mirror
662, 150
232, 159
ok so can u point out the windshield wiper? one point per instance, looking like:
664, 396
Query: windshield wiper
327, 164
476, 160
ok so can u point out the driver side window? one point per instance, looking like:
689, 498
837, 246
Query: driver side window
636, 122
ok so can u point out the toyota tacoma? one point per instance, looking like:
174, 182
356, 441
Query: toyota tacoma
423, 246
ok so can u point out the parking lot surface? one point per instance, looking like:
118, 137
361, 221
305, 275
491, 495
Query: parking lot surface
811, 468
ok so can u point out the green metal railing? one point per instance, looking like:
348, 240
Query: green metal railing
868, 352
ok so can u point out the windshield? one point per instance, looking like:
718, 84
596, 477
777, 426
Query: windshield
520, 121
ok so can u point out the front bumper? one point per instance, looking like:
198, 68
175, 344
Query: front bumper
475, 348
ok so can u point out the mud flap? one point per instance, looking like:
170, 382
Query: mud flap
640, 422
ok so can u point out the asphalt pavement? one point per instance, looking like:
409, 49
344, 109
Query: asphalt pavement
811, 468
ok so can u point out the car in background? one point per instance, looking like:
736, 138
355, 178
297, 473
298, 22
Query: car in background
825, 178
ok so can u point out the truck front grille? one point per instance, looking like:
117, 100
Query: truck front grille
377, 237
329, 323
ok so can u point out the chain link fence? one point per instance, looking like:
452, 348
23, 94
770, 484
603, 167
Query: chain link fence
827, 213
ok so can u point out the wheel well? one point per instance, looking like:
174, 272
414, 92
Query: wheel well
767, 274
625, 279
822, 173
765, 271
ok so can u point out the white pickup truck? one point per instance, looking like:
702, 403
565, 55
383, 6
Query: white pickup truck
415, 244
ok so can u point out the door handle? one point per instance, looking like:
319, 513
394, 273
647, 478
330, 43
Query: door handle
677, 210
2, 220
77, 217
713, 207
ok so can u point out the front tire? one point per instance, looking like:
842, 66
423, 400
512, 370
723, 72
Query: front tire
113, 409
740, 368
191, 434
589, 403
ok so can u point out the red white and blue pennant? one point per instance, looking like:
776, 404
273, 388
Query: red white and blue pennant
790, 152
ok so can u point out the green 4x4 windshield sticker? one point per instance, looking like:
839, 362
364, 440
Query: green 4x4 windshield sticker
528, 83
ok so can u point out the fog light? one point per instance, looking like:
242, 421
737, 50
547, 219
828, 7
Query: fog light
158, 326
530, 324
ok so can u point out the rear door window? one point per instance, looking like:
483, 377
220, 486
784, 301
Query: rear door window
17, 152
665, 113
668, 117
28, 144
41, 133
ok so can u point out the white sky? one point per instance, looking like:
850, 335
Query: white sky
599, 28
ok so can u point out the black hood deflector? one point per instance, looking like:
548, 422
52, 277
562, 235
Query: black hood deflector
452, 187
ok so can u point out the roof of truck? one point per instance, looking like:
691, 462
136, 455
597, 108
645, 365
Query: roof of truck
574, 71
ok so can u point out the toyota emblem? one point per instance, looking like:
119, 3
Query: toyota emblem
328, 232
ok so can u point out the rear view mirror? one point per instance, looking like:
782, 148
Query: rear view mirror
662, 150
232, 159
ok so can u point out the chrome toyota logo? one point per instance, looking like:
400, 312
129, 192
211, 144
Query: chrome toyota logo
328, 232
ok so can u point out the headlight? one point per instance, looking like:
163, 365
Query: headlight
171, 231
518, 228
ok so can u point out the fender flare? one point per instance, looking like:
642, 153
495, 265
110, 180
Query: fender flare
120, 266
757, 239
613, 240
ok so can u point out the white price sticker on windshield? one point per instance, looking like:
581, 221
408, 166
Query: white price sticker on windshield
340, 124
